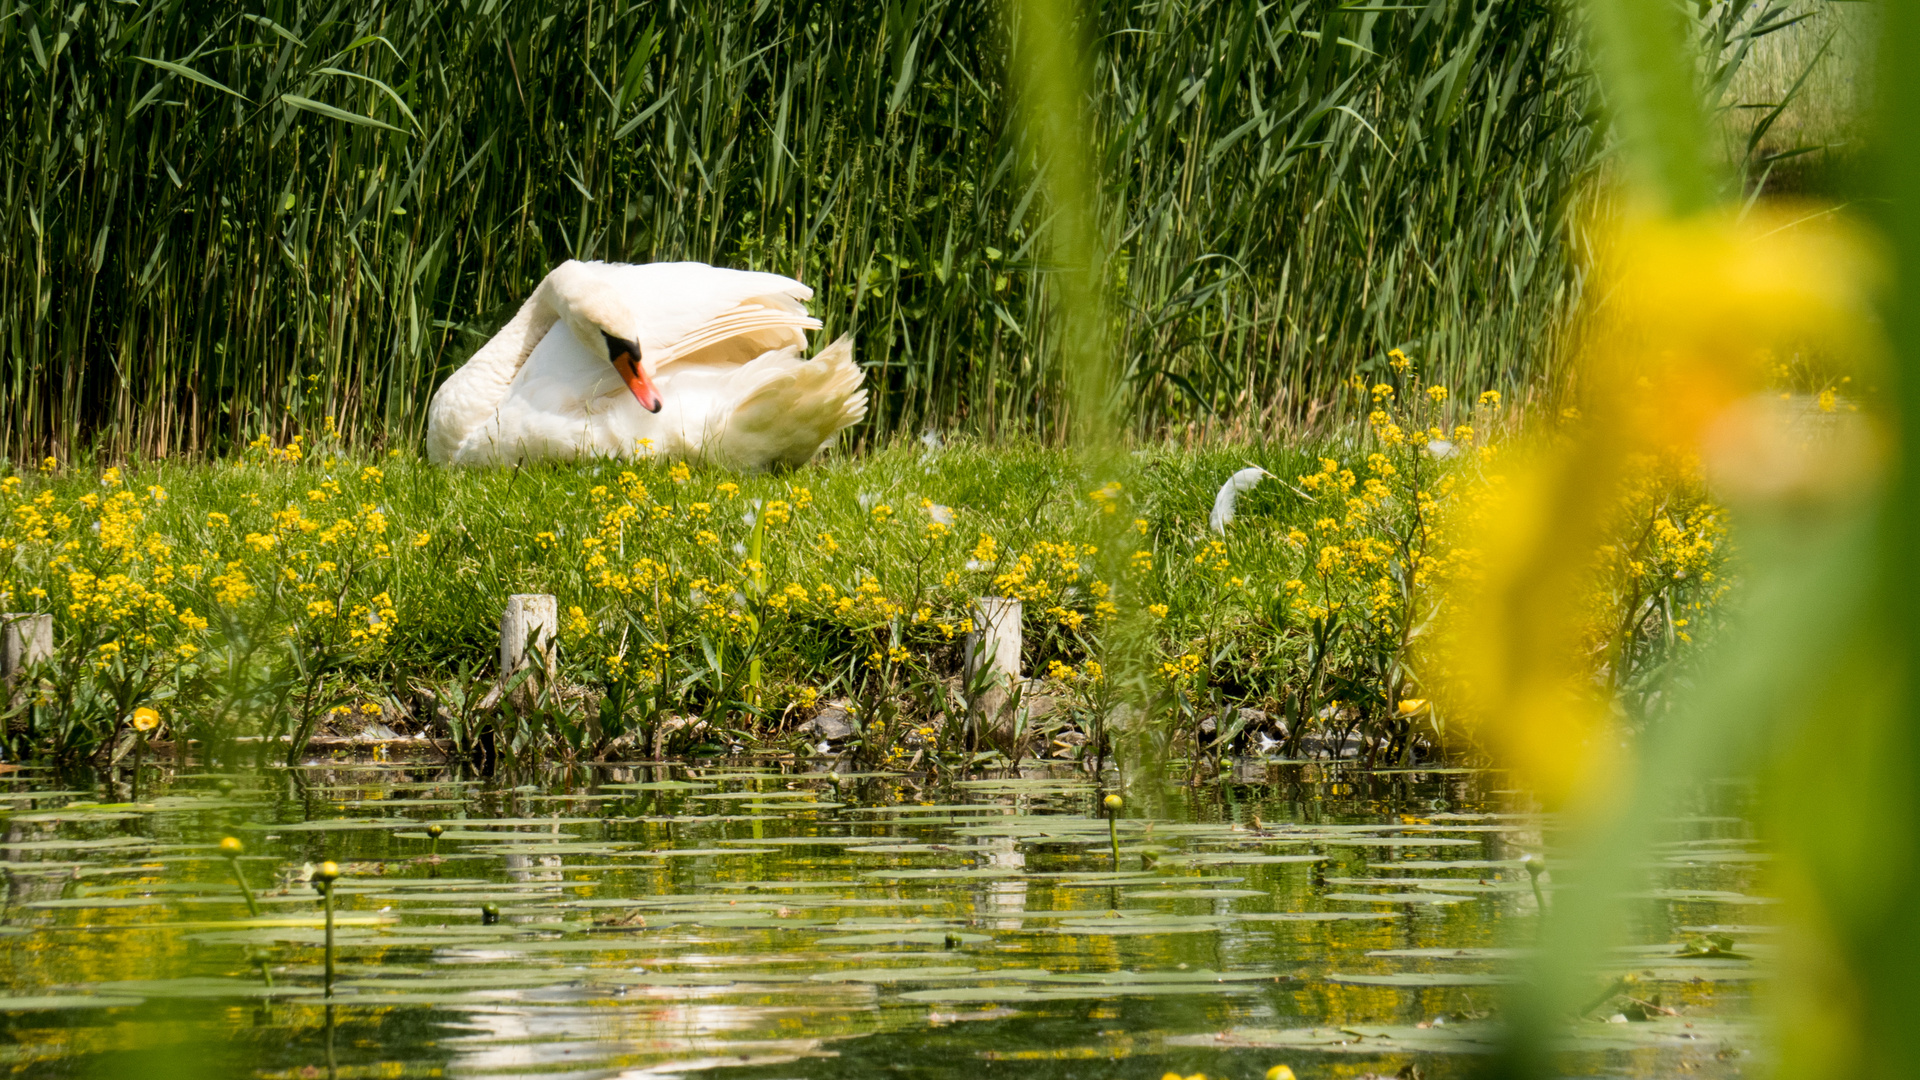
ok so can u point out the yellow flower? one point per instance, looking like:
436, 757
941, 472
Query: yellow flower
423, 540
1437, 393
1411, 706
144, 719
1181, 669
1490, 398
1159, 610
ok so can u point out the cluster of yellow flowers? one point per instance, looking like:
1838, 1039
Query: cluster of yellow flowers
128, 571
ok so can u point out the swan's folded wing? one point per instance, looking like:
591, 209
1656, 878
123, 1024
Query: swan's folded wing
689, 310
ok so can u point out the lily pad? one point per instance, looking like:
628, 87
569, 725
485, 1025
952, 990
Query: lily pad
921, 937
1422, 979
1193, 894
1398, 898
51, 1002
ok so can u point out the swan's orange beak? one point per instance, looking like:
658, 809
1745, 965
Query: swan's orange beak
626, 360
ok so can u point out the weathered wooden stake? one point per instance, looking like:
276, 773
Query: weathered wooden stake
25, 639
994, 647
995, 641
527, 630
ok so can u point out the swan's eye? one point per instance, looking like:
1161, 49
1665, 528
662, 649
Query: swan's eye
619, 349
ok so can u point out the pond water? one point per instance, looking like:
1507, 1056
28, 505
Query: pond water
748, 922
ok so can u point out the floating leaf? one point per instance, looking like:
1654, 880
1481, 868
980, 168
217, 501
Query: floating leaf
51, 1002
1422, 978
1398, 898
1193, 894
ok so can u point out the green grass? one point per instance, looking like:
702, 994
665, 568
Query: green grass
286, 588
458, 543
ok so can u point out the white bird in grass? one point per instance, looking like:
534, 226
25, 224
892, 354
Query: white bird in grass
680, 359
1230, 492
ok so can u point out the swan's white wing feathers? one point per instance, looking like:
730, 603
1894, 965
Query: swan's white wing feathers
724, 348
788, 409
685, 307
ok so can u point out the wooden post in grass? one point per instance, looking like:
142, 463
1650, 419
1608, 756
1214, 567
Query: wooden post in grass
527, 629
993, 662
25, 640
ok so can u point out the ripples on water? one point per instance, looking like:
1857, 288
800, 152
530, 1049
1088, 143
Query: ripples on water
760, 923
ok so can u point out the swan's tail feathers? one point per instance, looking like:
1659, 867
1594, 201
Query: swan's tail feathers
757, 325
796, 407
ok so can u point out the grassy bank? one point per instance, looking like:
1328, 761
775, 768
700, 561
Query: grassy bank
299, 585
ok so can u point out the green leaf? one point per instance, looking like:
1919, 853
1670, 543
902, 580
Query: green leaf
333, 113
186, 72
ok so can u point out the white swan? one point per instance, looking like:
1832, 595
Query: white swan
680, 359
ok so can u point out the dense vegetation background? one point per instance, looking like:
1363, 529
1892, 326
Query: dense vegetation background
218, 222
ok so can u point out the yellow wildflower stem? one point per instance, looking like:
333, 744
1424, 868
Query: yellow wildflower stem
758, 583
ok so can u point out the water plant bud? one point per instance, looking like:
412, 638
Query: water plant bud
1112, 802
1534, 864
326, 873
230, 846
489, 915
434, 831
225, 787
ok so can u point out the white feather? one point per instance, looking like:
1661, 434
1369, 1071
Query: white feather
1244, 480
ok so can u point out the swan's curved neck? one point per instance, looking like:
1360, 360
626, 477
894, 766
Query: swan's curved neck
473, 393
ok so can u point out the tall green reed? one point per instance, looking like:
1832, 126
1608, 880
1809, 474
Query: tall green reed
222, 222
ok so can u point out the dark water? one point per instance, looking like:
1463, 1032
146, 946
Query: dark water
757, 923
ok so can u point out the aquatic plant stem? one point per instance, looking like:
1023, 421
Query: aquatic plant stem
324, 876
328, 899
1113, 804
1534, 868
240, 879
